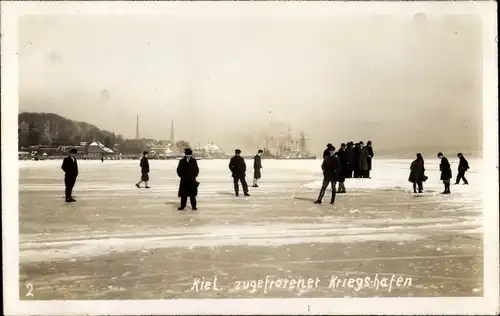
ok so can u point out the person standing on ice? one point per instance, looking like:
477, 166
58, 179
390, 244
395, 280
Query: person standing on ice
144, 171
446, 175
331, 167
342, 174
357, 172
363, 161
188, 170
257, 165
463, 166
350, 160
369, 148
70, 168
417, 176
238, 169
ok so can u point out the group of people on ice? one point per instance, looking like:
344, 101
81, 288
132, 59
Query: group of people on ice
351, 160
418, 177
188, 171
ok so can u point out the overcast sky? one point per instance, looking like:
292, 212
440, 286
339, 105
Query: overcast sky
396, 81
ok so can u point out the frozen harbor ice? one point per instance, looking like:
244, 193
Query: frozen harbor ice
120, 242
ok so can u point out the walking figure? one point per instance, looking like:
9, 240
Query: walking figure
238, 169
331, 167
70, 168
144, 171
257, 165
463, 166
446, 175
342, 174
417, 173
188, 170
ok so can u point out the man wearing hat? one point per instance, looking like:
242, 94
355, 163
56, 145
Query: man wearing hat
70, 168
257, 165
188, 170
238, 169
326, 152
144, 171
331, 167
463, 166
446, 174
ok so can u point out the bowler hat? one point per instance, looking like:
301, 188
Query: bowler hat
73, 151
188, 151
237, 151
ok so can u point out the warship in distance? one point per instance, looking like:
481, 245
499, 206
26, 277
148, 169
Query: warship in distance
288, 148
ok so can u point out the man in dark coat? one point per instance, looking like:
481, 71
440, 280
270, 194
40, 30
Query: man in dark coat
326, 152
144, 164
70, 168
350, 160
369, 148
331, 167
342, 174
188, 170
446, 175
257, 165
357, 173
238, 169
363, 161
463, 166
417, 173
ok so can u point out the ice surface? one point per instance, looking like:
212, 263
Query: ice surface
113, 218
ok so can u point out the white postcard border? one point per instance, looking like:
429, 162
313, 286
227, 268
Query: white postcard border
11, 11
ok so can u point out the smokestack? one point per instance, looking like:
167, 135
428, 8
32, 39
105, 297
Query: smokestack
137, 129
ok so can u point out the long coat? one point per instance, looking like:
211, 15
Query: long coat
257, 165
445, 169
356, 158
363, 159
331, 167
238, 167
188, 170
350, 160
370, 156
70, 167
417, 171
342, 173
144, 165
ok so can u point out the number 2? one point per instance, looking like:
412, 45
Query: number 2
29, 286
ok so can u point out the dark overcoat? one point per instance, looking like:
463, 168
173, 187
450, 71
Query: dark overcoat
188, 170
70, 167
445, 169
350, 160
370, 156
238, 167
257, 165
144, 164
417, 171
363, 159
342, 173
463, 165
331, 167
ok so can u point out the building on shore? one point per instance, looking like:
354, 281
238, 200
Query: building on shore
97, 149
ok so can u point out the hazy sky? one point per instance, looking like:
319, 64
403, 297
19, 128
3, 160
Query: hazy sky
396, 81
